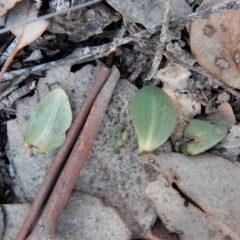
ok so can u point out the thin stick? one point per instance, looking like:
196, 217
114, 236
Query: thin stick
78, 57
14, 85
46, 225
18, 93
163, 38
215, 9
63, 153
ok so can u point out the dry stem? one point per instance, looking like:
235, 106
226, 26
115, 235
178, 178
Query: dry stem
163, 38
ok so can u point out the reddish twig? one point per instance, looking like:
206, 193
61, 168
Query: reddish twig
46, 225
63, 153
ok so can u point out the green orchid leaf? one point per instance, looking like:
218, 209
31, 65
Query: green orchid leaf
153, 117
202, 135
48, 122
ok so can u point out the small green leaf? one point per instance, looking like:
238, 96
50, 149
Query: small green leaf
202, 135
117, 137
48, 122
153, 117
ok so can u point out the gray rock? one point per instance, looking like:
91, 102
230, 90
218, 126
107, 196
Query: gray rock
117, 177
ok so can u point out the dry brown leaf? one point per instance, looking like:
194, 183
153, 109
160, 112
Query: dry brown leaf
229, 147
149, 12
5, 5
219, 49
211, 182
23, 12
224, 114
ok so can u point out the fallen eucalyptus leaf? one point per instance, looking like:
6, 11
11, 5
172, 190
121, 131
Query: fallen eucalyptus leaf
202, 135
48, 122
149, 12
153, 117
223, 114
210, 183
5, 5
218, 51
229, 147
22, 13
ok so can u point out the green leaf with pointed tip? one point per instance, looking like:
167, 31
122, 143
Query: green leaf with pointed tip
48, 122
153, 117
203, 135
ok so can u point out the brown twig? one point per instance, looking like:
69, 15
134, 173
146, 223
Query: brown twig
78, 56
63, 153
46, 225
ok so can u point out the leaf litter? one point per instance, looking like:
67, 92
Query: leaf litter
5, 5
117, 177
23, 12
220, 42
204, 182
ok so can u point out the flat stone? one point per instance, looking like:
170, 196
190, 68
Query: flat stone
117, 177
